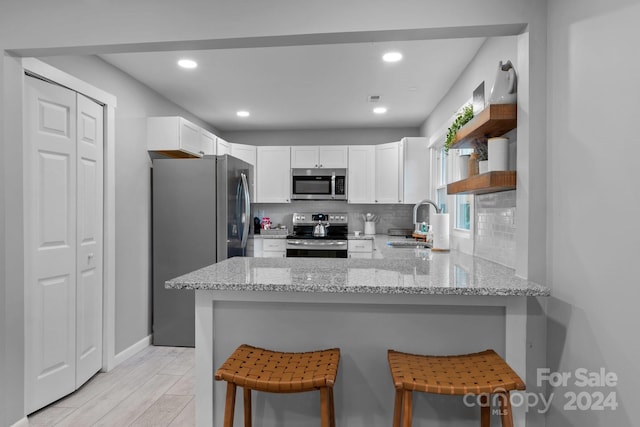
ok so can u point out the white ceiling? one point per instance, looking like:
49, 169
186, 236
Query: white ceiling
306, 87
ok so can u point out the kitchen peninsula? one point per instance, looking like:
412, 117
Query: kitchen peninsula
410, 300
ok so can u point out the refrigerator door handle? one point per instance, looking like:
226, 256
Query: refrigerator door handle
247, 210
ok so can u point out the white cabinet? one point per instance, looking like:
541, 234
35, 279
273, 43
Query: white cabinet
362, 178
416, 169
208, 142
360, 248
247, 153
274, 248
222, 147
326, 156
389, 167
244, 152
174, 137
273, 177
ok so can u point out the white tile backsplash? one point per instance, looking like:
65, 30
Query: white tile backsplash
495, 235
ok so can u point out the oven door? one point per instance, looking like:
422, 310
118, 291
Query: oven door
310, 248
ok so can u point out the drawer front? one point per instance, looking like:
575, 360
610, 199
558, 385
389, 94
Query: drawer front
361, 255
274, 245
360, 246
274, 254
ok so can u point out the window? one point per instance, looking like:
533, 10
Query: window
463, 203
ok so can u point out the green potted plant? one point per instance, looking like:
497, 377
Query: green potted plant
463, 117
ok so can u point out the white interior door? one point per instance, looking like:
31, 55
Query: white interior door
64, 198
89, 239
50, 270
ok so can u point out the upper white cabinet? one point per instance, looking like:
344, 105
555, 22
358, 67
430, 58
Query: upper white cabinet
326, 156
174, 137
222, 147
362, 178
208, 142
245, 152
248, 153
416, 169
389, 172
273, 174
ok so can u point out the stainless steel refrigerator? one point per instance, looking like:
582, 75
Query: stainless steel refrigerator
201, 215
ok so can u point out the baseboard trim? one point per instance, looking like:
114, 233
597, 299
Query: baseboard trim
22, 423
130, 351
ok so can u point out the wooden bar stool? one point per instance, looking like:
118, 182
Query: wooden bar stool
254, 368
482, 374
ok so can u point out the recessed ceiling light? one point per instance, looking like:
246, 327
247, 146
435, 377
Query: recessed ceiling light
242, 113
392, 57
187, 63
380, 110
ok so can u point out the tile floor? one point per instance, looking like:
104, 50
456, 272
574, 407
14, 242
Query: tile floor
155, 387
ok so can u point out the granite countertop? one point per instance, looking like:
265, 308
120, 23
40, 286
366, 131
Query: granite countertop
394, 271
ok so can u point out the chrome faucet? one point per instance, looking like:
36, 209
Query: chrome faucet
415, 210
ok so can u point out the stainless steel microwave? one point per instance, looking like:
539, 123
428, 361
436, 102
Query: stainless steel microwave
318, 184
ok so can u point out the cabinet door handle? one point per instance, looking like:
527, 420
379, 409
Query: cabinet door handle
316, 165
320, 165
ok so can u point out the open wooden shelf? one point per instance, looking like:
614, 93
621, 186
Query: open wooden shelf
490, 182
495, 120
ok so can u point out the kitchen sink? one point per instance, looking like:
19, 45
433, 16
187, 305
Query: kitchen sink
408, 244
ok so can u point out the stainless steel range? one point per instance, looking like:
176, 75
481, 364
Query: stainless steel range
318, 235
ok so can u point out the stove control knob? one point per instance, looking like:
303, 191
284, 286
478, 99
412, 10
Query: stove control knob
341, 218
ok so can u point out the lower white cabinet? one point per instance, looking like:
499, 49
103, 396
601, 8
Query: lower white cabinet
360, 249
274, 248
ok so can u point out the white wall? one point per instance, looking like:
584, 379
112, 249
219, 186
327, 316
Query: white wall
593, 201
30, 28
321, 137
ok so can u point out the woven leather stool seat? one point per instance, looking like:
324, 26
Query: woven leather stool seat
259, 369
481, 373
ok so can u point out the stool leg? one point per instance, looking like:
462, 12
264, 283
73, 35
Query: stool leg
397, 409
324, 407
408, 408
485, 411
230, 405
247, 407
505, 410
332, 413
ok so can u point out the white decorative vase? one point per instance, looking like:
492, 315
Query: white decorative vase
498, 154
505, 88
483, 166
463, 166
